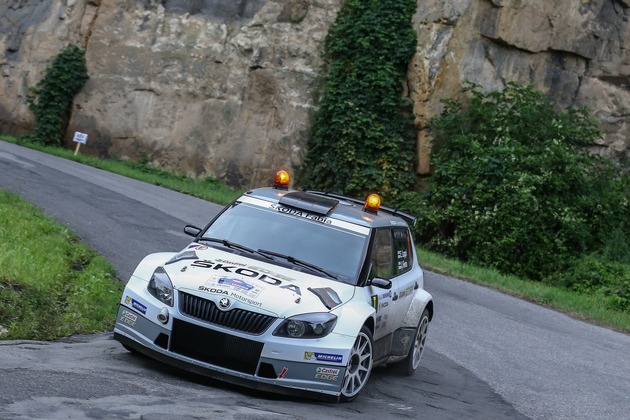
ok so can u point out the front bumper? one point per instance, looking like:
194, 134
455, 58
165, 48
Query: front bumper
309, 368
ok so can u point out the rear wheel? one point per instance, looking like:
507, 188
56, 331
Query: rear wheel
359, 366
409, 365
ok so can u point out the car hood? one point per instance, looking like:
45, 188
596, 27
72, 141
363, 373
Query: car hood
253, 284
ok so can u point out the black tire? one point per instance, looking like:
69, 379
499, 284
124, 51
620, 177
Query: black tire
409, 365
359, 366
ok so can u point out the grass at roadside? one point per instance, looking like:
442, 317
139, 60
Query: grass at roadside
51, 285
205, 188
588, 307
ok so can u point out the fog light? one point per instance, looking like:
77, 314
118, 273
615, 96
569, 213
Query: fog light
163, 316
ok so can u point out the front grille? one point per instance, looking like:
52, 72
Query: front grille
236, 319
215, 347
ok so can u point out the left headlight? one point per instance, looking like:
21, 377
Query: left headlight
314, 325
161, 287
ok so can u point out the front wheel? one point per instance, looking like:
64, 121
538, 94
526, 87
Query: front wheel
359, 366
409, 365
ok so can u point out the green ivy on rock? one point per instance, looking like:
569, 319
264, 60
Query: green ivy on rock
363, 139
51, 99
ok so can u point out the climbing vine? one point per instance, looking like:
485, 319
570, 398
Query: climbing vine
362, 139
51, 99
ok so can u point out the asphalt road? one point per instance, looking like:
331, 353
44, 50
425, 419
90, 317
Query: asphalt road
489, 356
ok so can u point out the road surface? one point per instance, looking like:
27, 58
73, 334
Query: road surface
489, 355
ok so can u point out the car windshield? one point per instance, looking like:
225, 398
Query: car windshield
335, 249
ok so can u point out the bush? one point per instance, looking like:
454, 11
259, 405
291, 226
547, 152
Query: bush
594, 274
515, 186
51, 99
362, 139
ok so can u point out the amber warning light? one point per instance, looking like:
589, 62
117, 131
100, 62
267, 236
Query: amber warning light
282, 180
372, 203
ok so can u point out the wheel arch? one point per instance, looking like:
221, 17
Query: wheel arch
364, 313
422, 300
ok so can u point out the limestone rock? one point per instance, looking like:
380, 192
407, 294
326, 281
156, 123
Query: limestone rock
228, 88
577, 51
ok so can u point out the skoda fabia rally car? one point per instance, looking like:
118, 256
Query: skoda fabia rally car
298, 292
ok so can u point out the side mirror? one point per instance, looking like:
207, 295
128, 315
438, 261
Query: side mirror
380, 283
192, 230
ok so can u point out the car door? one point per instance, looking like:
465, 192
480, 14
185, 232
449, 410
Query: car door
382, 266
404, 280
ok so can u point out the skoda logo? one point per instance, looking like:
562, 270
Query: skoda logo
224, 303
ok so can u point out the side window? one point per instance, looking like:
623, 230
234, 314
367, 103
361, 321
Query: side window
403, 252
382, 257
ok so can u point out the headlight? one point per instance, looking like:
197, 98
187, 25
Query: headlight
161, 286
315, 325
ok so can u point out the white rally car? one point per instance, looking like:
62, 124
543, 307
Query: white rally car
298, 292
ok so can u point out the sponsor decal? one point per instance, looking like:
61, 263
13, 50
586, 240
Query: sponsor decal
213, 290
230, 262
138, 306
327, 374
385, 295
237, 285
407, 291
250, 272
129, 318
325, 377
323, 357
283, 372
245, 299
327, 370
363, 230
300, 213
383, 305
135, 305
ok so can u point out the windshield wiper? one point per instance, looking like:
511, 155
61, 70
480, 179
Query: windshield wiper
234, 245
301, 263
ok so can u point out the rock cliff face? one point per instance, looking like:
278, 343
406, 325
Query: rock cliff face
577, 51
228, 88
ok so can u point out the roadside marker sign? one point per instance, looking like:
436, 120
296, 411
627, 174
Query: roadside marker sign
79, 139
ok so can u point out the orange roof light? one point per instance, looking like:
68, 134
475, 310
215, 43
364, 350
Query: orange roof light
372, 203
281, 180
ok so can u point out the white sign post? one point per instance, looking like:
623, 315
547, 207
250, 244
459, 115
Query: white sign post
79, 139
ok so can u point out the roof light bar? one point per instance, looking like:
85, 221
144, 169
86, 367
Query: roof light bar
281, 181
372, 203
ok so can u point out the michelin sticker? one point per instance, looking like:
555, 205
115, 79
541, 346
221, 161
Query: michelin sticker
323, 357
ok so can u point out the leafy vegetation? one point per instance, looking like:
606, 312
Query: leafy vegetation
596, 307
51, 285
516, 188
362, 137
51, 99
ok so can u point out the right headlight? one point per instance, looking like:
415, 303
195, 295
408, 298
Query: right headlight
161, 287
315, 325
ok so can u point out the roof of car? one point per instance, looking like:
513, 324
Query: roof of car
334, 206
